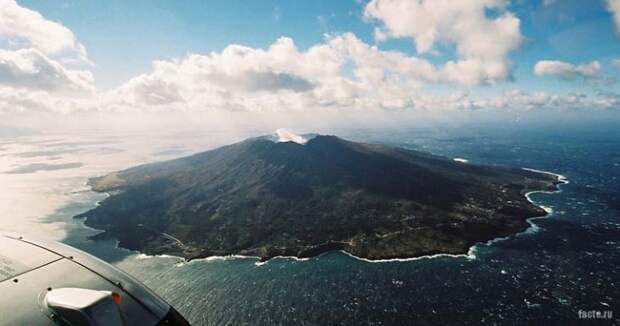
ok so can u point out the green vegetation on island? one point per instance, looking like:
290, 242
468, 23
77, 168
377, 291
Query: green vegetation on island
264, 198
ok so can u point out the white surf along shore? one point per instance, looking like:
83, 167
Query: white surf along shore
470, 255
563, 181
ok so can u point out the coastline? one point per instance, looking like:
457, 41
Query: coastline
470, 255
533, 228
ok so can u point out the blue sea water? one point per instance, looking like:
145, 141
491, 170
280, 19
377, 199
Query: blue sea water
541, 278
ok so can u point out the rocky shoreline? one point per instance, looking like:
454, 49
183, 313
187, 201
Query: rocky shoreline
372, 225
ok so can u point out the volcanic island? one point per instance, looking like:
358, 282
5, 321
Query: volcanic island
290, 195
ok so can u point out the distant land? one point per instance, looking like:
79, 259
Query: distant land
291, 195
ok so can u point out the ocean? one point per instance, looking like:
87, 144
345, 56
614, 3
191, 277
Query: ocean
565, 263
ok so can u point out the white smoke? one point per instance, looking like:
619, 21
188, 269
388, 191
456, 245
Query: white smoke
287, 136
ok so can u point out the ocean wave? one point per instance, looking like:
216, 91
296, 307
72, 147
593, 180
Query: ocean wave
142, 256
470, 255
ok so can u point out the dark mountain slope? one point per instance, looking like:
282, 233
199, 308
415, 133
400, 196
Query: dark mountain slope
265, 198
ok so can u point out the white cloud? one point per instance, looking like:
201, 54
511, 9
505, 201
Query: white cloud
515, 100
151, 90
482, 40
567, 70
27, 101
30, 68
342, 73
35, 54
614, 7
24, 28
520, 100
339, 73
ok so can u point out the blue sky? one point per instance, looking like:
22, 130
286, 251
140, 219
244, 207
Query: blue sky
123, 37
123, 43
560, 47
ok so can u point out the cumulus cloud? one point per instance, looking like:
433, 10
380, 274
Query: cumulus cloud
35, 56
484, 32
283, 77
31, 101
614, 7
567, 70
24, 28
150, 90
520, 100
30, 68
341, 73
271, 81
